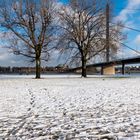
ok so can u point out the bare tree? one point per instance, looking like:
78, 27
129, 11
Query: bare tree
81, 24
84, 31
30, 23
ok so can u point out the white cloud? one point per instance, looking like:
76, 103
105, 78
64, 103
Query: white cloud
129, 17
9, 59
3, 56
137, 40
122, 54
125, 13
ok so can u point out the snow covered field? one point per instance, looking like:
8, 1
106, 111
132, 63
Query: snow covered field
70, 108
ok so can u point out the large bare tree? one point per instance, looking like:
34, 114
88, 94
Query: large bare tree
82, 27
84, 31
30, 22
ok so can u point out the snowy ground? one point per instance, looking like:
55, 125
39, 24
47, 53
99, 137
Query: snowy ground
70, 108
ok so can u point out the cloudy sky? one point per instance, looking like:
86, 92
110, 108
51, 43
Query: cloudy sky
127, 11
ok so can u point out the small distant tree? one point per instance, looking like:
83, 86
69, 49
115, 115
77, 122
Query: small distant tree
29, 22
82, 27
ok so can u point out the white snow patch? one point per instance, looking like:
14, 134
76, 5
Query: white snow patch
70, 108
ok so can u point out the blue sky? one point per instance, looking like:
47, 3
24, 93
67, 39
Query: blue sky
127, 11
64, 1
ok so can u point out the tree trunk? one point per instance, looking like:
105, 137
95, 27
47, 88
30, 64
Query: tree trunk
38, 67
84, 72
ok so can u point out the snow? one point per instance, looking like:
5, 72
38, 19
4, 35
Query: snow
66, 107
